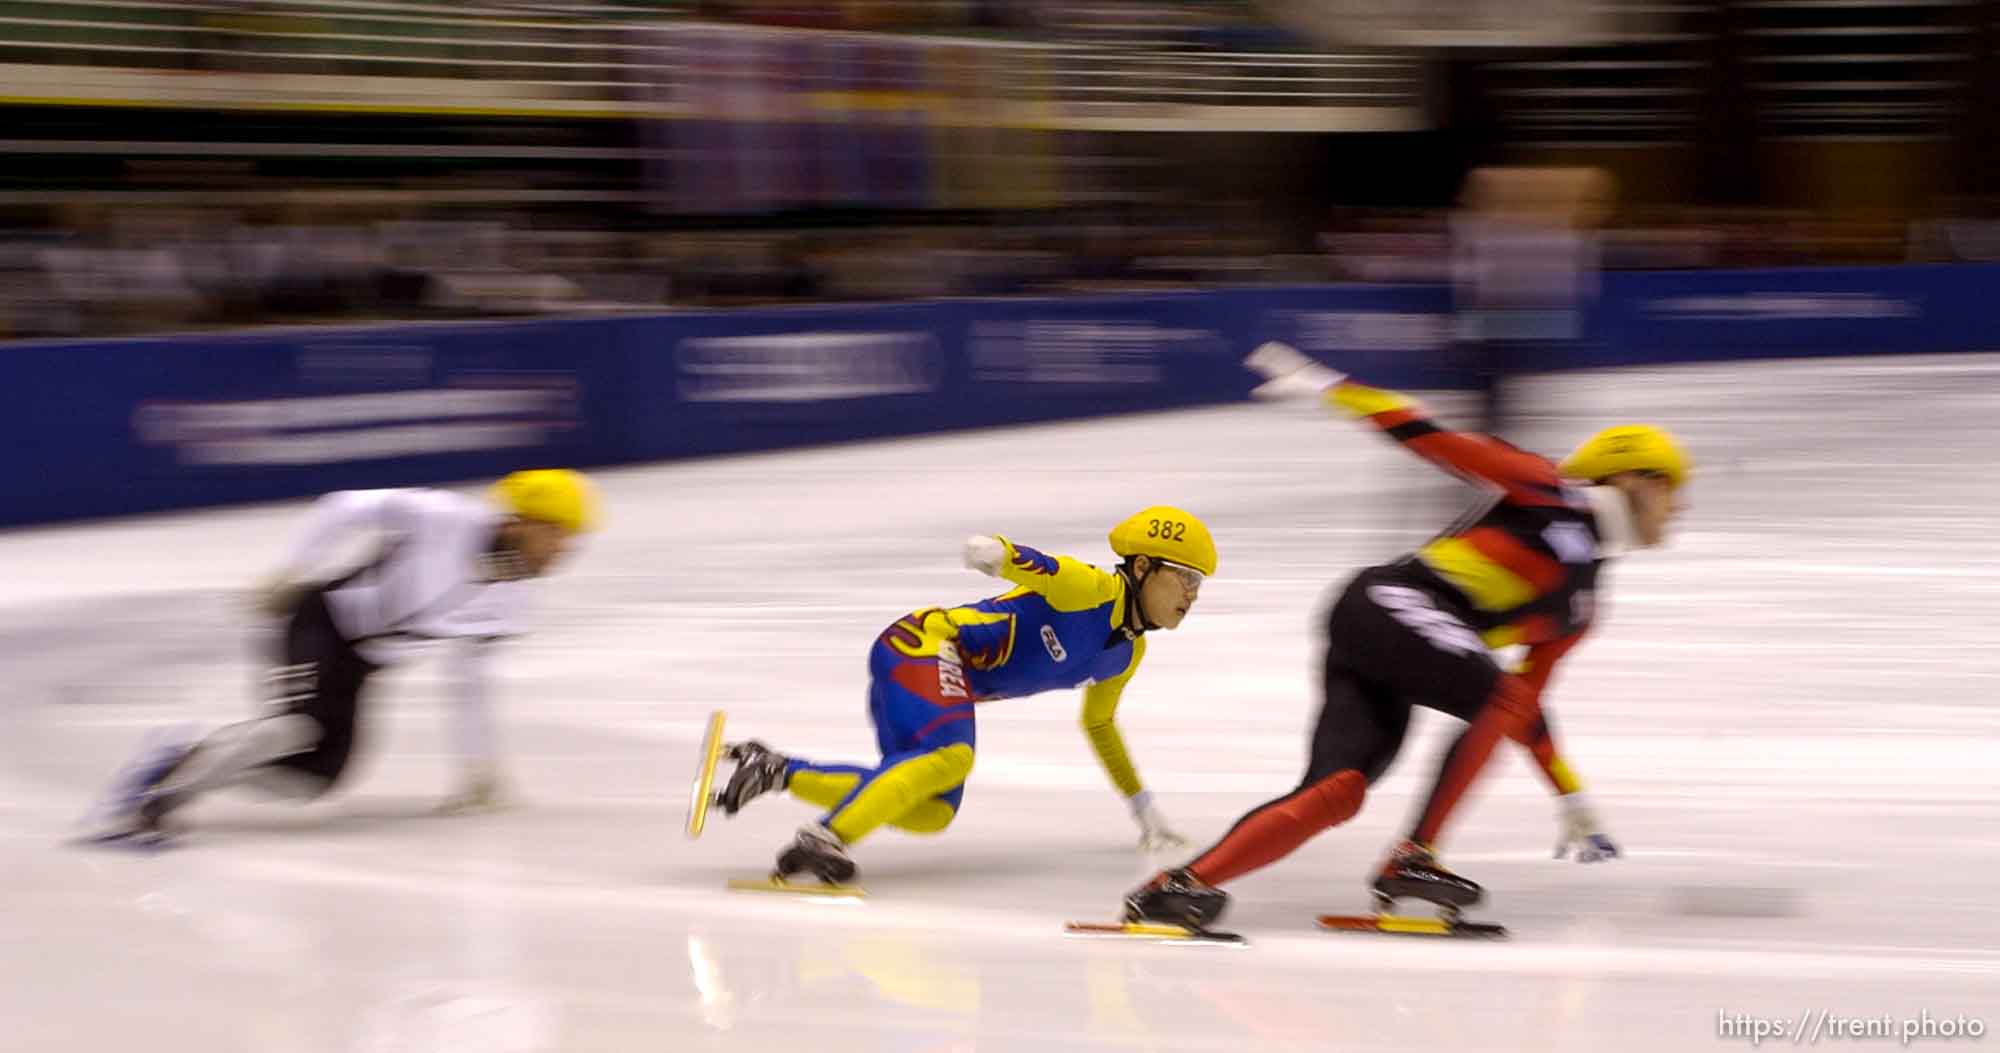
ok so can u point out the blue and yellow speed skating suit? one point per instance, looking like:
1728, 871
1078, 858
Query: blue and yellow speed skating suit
1065, 624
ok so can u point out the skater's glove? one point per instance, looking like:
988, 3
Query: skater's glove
1581, 829
1154, 833
985, 554
1287, 373
276, 596
481, 791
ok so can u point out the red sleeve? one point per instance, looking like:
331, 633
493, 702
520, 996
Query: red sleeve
1537, 736
1522, 477
1542, 658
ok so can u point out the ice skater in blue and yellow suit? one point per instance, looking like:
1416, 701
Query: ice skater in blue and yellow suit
1065, 624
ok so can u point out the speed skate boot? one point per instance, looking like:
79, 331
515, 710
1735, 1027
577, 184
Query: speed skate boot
134, 808
1176, 897
819, 852
759, 769
1413, 872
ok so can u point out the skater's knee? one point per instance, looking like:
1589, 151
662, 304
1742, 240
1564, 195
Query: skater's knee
1516, 706
289, 734
1329, 801
935, 772
930, 817
948, 769
953, 763
928, 774
290, 784
902, 789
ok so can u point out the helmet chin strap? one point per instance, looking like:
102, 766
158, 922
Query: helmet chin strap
502, 561
1136, 621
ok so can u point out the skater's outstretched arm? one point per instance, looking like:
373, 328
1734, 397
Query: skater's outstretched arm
1521, 476
1100, 725
1537, 736
472, 727
1514, 709
1068, 584
1535, 733
1581, 829
1100, 709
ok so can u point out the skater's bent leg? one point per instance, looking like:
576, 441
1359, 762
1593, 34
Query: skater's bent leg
1359, 730
1509, 712
927, 742
234, 752
932, 816
1277, 828
301, 750
827, 785
905, 783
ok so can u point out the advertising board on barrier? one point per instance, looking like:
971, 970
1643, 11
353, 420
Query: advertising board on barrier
1395, 335
728, 381
807, 366
1335, 331
1081, 350
1779, 307
1679, 316
115, 427
329, 429
128, 426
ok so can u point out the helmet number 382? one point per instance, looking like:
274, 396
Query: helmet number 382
1166, 529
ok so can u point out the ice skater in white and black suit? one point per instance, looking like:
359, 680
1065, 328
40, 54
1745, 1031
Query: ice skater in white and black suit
449, 569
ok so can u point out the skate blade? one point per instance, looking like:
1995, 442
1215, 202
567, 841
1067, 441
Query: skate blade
1149, 931
457, 808
126, 841
703, 793
775, 884
1403, 925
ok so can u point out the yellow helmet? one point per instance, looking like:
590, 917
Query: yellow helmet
1627, 448
555, 495
1168, 533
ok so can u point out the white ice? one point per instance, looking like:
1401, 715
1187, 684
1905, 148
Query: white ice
1788, 717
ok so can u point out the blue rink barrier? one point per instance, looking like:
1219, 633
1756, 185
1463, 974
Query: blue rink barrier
1699, 316
125, 426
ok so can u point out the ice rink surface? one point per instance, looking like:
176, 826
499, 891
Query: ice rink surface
1789, 719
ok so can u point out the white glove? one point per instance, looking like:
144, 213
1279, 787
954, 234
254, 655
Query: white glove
1154, 834
985, 554
1288, 373
481, 791
1579, 827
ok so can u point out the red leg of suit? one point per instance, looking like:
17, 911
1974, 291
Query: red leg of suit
1274, 830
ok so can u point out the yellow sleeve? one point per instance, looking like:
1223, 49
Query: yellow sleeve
1100, 706
1362, 401
1068, 584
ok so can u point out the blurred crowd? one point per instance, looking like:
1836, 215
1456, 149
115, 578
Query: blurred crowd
1194, 23
1413, 245
93, 269
1026, 213
100, 269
